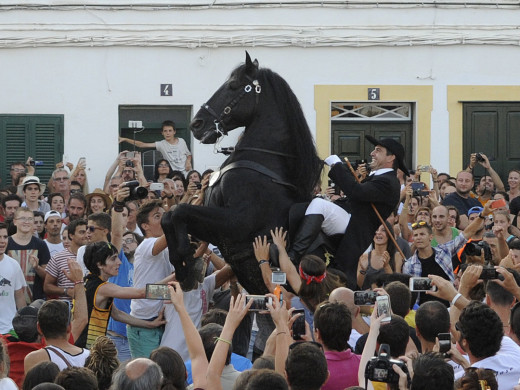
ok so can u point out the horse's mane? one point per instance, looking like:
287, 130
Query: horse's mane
305, 170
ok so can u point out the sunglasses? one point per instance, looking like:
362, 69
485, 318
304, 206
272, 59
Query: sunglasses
129, 240
92, 229
417, 225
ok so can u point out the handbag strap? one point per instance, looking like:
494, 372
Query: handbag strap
59, 354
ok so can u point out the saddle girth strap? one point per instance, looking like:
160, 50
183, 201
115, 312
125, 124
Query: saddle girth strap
246, 164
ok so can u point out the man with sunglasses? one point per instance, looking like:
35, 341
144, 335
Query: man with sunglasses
428, 260
99, 225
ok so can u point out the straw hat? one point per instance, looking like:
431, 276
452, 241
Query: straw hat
31, 180
102, 194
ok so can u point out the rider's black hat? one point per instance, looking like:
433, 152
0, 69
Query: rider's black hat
394, 147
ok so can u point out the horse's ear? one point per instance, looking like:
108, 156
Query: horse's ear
251, 66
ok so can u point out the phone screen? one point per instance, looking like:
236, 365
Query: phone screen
157, 291
383, 308
365, 298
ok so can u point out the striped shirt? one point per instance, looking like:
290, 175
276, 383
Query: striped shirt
55, 267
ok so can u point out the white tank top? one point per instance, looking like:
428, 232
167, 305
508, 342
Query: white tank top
74, 360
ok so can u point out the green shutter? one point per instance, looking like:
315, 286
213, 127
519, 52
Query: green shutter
38, 136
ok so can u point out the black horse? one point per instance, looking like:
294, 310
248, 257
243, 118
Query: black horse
274, 165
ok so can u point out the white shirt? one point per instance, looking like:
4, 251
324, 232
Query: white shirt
11, 280
506, 362
54, 248
196, 303
79, 259
149, 269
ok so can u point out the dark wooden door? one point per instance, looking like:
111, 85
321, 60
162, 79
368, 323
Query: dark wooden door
494, 129
348, 138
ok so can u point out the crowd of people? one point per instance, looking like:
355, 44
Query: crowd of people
90, 300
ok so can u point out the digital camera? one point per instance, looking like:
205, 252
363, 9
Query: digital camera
474, 248
136, 192
379, 368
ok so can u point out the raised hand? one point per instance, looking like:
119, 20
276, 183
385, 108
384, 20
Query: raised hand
261, 248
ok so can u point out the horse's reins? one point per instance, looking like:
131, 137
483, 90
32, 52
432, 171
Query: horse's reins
388, 232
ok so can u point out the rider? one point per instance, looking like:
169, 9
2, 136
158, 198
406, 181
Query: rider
354, 217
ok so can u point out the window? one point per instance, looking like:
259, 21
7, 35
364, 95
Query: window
38, 136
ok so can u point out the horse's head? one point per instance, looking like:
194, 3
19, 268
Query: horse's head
231, 106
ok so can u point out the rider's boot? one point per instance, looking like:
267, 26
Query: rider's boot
308, 230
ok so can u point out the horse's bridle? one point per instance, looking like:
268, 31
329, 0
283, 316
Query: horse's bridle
219, 119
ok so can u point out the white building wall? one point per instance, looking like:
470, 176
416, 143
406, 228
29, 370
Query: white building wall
83, 62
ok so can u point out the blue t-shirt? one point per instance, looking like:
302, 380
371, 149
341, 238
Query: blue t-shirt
125, 278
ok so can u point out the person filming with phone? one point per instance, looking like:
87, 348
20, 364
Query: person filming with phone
428, 260
102, 261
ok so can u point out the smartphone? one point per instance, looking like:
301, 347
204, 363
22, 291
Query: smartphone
298, 326
365, 298
157, 291
82, 162
383, 308
424, 168
421, 284
498, 203
278, 277
198, 184
444, 342
260, 302
130, 154
156, 186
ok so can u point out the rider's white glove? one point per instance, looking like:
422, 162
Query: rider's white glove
332, 159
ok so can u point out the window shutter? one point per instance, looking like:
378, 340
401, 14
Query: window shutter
38, 136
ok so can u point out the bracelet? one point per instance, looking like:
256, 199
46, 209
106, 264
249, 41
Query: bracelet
223, 340
263, 262
79, 282
455, 298
481, 216
281, 333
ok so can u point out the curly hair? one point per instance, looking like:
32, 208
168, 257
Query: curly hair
482, 328
473, 376
103, 361
172, 366
156, 170
432, 372
315, 292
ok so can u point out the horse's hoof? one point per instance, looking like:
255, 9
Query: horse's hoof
195, 274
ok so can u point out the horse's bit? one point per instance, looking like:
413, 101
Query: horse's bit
219, 119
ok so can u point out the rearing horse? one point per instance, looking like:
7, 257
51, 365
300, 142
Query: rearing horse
274, 165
